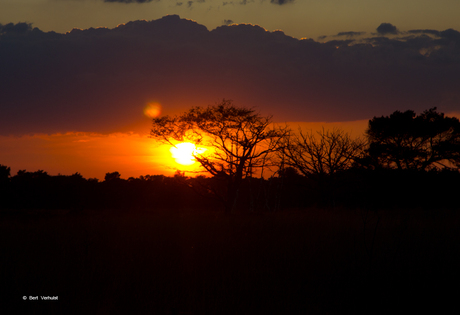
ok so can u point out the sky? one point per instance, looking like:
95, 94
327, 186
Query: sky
297, 18
77, 77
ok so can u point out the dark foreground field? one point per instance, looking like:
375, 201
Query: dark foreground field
184, 262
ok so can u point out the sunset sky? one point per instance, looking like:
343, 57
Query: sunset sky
77, 76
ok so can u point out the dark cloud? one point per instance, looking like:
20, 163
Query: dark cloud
190, 3
431, 32
281, 2
101, 79
387, 28
19, 28
227, 22
350, 34
339, 43
130, 1
451, 35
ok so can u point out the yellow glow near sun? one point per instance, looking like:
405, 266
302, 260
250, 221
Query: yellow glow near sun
183, 153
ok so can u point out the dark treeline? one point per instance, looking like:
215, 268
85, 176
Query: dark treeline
39, 190
351, 188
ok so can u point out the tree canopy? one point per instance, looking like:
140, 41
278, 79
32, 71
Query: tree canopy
405, 140
238, 141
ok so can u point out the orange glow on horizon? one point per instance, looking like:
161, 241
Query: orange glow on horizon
131, 154
90, 154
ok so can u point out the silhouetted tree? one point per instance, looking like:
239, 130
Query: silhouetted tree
112, 176
238, 141
404, 140
5, 172
320, 156
325, 152
4, 183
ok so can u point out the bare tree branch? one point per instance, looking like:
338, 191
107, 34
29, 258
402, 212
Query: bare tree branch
325, 152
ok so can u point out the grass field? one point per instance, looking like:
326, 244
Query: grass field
191, 262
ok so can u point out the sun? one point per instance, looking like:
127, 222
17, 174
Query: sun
183, 153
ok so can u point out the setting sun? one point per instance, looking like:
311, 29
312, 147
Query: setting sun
184, 152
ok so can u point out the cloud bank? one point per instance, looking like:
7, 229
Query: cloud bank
100, 80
